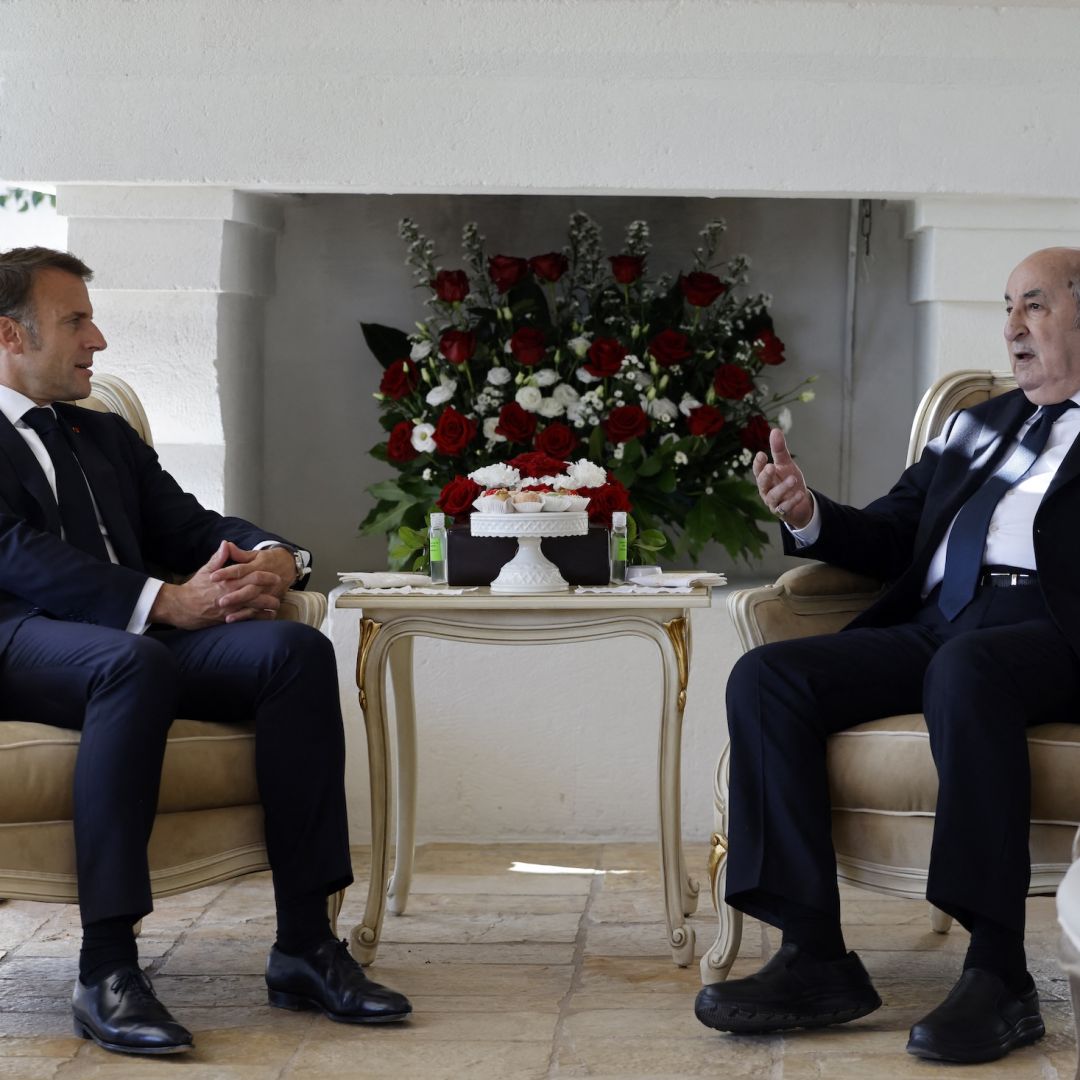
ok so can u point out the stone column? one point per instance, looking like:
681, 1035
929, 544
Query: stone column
180, 279
962, 253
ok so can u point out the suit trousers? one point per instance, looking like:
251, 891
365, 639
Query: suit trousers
980, 681
123, 691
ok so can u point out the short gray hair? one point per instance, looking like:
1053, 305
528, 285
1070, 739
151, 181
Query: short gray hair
18, 269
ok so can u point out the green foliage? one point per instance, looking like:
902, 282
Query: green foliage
24, 199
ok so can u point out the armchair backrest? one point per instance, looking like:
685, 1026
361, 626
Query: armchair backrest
957, 390
108, 393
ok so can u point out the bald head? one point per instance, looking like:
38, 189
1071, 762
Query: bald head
1042, 330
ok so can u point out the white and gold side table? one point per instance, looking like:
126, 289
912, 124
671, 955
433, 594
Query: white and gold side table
388, 625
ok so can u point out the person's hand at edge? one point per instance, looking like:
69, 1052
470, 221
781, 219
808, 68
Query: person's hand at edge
781, 485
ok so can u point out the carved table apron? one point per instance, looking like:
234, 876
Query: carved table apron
388, 623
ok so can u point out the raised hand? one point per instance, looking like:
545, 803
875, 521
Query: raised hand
781, 485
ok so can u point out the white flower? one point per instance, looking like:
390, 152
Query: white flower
550, 407
642, 380
420, 350
442, 393
545, 376
783, 419
583, 473
497, 376
583, 376
575, 415
668, 436
422, 438
618, 452
663, 409
688, 404
529, 398
762, 387
492, 436
497, 475
807, 396
565, 394
426, 474
680, 458
579, 346
709, 490
746, 456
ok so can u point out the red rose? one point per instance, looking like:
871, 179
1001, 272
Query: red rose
506, 271
453, 432
603, 500
399, 446
626, 269
535, 463
457, 497
515, 424
768, 348
700, 288
755, 436
732, 381
458, 346
451, 286
400, 379
605, 357
670, 347
625, 423
549, 267
705, 420
528, 345
558, 440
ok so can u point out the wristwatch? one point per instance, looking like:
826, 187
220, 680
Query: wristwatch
302, 570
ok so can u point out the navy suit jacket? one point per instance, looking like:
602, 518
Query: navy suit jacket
894, 538
150, 520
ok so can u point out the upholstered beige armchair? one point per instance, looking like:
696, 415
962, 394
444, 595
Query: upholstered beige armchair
209, 824
881, 775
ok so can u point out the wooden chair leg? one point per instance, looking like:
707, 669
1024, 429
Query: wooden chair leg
718, 958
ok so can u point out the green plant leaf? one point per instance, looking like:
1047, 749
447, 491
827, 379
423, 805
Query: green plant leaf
386, 343
651, 465
390, 490
596, 444
414, 538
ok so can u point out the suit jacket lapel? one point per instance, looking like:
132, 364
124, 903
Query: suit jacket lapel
105, 486
27, 469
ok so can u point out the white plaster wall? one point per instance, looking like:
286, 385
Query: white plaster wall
688, 96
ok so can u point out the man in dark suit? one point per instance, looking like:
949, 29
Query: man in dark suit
90, 639
980, 630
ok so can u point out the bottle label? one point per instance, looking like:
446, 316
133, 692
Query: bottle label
437, 549
620, 548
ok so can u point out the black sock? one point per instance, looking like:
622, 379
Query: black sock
302, 923
816, 934
106, 945
998, 949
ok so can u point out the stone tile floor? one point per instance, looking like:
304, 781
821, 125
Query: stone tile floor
522, 960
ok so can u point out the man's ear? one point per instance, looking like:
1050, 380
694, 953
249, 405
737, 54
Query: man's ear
12, 335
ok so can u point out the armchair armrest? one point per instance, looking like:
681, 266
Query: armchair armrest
811, 599
305, 607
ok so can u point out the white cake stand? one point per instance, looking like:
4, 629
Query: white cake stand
529, 572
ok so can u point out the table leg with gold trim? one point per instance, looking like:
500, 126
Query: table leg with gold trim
386, 640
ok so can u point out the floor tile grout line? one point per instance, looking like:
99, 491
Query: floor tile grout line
576, 966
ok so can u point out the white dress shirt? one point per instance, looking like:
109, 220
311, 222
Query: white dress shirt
1009, 536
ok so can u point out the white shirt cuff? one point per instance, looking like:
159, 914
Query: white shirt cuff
140, 617
810, 532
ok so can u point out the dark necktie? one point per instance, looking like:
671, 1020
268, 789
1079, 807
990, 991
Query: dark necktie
967, 541
77, 514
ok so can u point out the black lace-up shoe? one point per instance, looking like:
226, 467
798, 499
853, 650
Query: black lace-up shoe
980, 1020
793, 990
327, 978
121, 1012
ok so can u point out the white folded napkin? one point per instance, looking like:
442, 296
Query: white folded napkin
681, 579
383, 579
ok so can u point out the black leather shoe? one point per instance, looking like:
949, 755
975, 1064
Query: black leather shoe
327, 978
121, 1012
793, 990
980, 1020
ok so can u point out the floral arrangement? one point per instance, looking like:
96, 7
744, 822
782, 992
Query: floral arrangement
568, 353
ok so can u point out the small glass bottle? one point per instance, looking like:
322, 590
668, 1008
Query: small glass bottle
618, 546
437, 549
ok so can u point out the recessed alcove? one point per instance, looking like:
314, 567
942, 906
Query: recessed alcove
339, 261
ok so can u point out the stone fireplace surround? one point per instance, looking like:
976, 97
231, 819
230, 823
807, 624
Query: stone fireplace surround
222, 168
